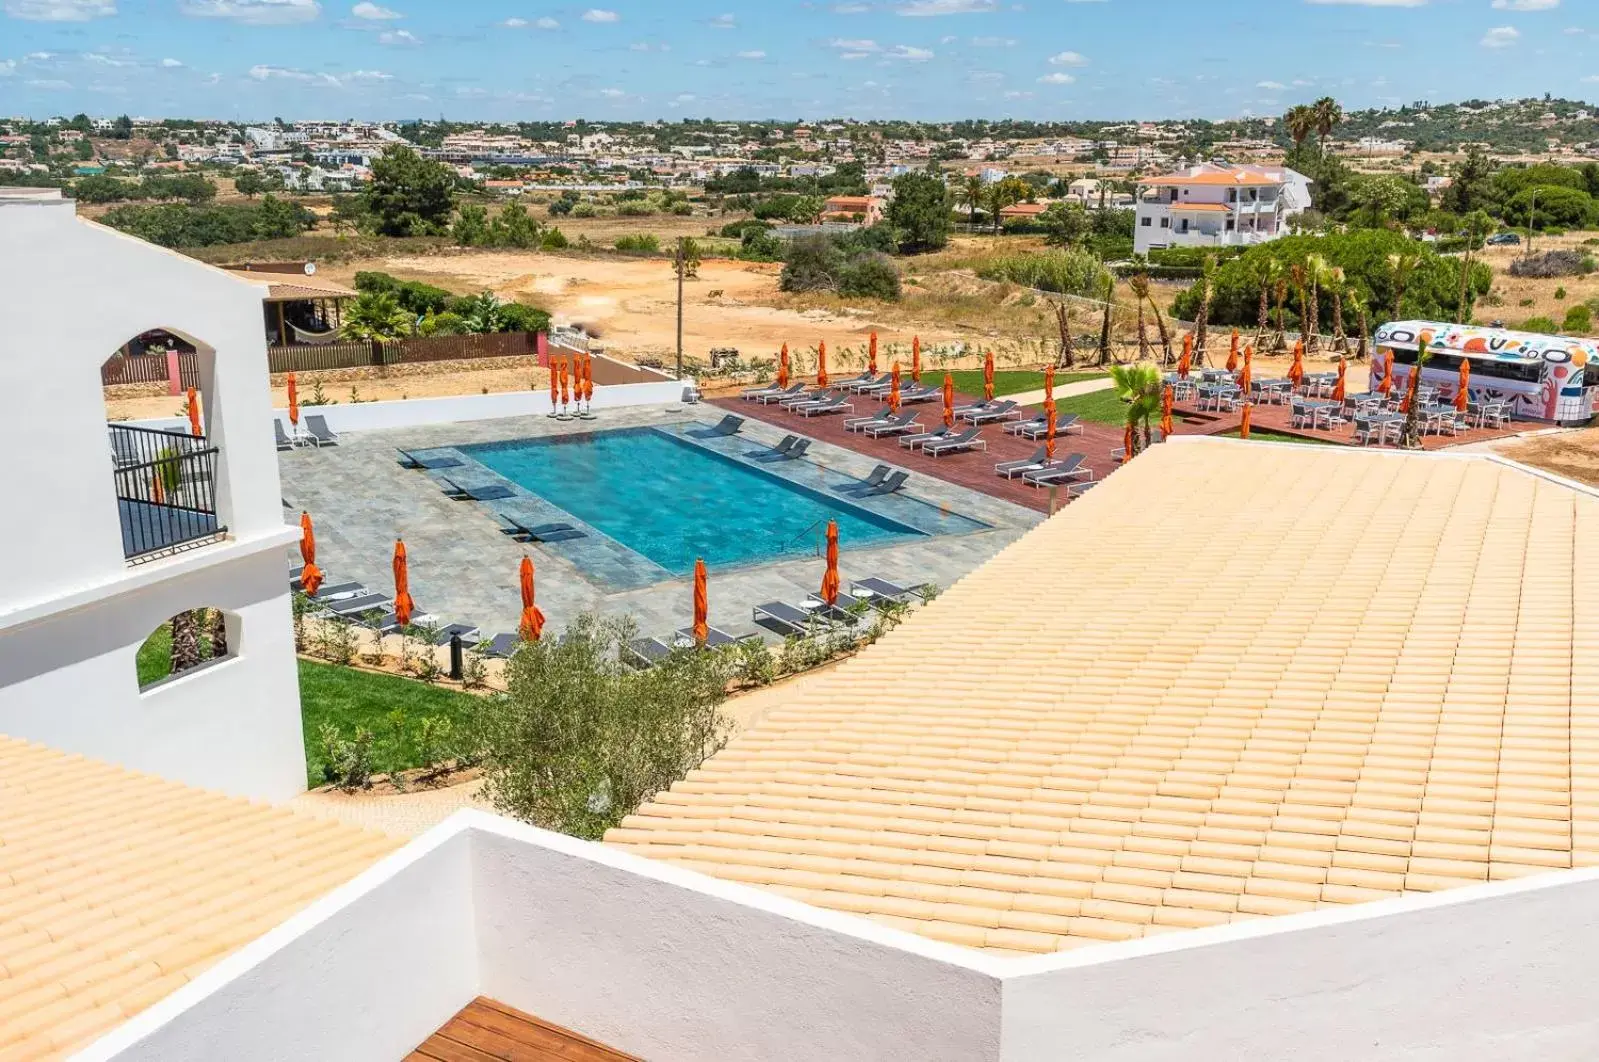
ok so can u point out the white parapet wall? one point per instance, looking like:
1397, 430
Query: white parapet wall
671, 965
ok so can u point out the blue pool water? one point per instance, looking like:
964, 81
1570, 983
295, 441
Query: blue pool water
673, 501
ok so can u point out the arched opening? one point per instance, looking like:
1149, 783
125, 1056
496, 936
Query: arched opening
164, 464
192, 639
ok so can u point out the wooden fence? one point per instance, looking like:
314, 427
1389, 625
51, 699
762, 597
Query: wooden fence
149, 368
351, 354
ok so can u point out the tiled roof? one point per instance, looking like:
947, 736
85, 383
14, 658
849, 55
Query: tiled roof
1241, 176
1237, 679
116, 888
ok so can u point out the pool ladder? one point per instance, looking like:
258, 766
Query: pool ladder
816, 534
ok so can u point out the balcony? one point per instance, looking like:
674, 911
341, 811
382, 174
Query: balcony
166, 491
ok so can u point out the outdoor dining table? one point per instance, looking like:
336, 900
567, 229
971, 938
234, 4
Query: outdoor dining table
1215, 375
1273, 390
1319, 410
1318, 383
1214, 394
1381, 421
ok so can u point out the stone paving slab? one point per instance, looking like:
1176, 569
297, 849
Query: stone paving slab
464, 569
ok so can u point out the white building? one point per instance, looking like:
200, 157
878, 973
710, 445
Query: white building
105, 538
1217, 206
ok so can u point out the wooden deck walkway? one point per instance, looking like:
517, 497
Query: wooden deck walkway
489, 1031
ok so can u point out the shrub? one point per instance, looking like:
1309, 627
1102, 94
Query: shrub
553, 240
1068, 272
579, 740
515, 317
1579, 320
1560, 294
1553, 264
413, 296
181, 225
760, 245
635, 210
584, 210
1539, 324
812, 264
643, 243
872, 276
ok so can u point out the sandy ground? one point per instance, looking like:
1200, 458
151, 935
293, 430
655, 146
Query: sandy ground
1573, 454
630, 304
1521, 298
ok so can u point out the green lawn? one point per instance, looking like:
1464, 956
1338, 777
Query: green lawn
1267, 435
1006, 381
154, 661
1101, 406
389, 706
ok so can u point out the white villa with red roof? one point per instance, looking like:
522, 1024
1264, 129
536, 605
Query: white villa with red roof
1209, 205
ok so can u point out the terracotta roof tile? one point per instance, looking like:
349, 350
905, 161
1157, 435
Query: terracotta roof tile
1377, 686
116, 888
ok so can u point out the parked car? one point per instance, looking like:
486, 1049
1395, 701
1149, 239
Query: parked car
1502, 239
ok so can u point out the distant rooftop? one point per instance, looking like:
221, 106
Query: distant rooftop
117, 888
1236, 680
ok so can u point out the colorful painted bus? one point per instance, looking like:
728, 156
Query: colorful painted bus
1543, 377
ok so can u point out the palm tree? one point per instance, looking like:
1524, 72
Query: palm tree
1207, 288
1401, 266
971, 194
1266, 272
219, 634
1476, 226
1104, 324
1316, 270
1328, 114
1280, 293
1410, 436
1334, 276
1139, 285
1358, 303
1063, 318
1299, 276
376, 315
1300, 121
1139, 386
185, 642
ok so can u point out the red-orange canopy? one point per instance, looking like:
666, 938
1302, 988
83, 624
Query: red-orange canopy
871, 355
566, 381
1049, 387
988, 376
588, 378
821, 364
1463, 392
531, 629
1296, 371
1127, 444
1243, 424
1232, 353
916, 359
1049, 432
1186, 361
702, 605
830, 577
1248, 375
1166, 396
194, 413
311, 576
949, 400
294, 401
1338, 388
782, 367
1386, 384
403, 605
555, 381
893, 388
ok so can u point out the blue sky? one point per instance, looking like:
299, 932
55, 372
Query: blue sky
930, 59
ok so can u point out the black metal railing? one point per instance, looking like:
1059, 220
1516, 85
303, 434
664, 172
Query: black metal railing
166, 491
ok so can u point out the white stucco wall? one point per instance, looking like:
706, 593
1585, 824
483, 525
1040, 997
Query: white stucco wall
72, 611
368, 972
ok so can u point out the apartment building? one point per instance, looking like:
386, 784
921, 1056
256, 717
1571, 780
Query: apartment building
1217, 206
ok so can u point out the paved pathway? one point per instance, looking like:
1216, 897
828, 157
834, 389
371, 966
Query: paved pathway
1070, 390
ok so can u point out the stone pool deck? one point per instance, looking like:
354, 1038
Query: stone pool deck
463, 569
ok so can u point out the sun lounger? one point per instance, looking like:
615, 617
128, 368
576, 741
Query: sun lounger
819, 395
1018, 427
919, 394
356, 606
1011, 469
1037, 429
759, 392
998, 411
846, 608
643, 653
867, 382
894, 482
728, 425
911, 442
284, 442
510, 525
882, 421
317, 425
784, 445
501, 645
966, 440
768, 397
1059, 472
877, 476
906, 422
1077, 490
334, 592
410, 460
838, 405
389, 623
874, 588
466, 631
715, 638
784, 618
487, 492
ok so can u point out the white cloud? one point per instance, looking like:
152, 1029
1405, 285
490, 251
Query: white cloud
8, 67
909, 54
853, 44
374, 12
1592, 79
754, 53
401, 38
649, 46
599, 14
946, 7
1057, 78
547, 23
368, 75
262, 72
1300, 82
1525, 5
855, 55
1067, 59
1370, 3
1274, 86
55, 84
514, 23
612, 93
1015, 94
724, 22
60, 10
254, 12
171, 64
1501, 37
1574, 31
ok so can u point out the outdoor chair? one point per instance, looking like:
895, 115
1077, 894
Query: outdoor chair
846, 609
837, 405
1077, 490
966, 440
355, 606
1035, 430
728, 425
903, 423
1018, 427
410, 460
882, 416
867, 382
284, 442
501, 645
340, 591
759, 392
1069, 468
877, 476
998, 411
874, 588
781, 448
389, 623
911, 442
784, 618
484, 492
317, 425
919, 394
465, 631
522, 532
1009, 469
894, 482
645, 653
810, 398
779, 396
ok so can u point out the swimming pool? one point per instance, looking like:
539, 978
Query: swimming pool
672, 501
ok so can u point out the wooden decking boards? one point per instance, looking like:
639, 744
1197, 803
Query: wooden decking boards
489, 1031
